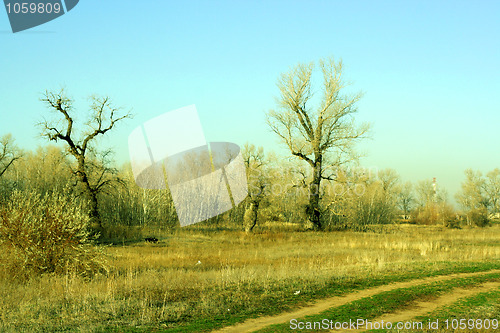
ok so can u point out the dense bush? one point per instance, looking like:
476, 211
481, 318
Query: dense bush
359, 205
478, 217
435, 213
47, 234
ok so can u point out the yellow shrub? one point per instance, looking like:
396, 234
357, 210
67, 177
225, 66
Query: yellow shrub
46, 234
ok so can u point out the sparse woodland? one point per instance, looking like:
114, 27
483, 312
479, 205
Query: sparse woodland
320, 185
63, 202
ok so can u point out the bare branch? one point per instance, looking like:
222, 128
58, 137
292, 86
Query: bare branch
8, 153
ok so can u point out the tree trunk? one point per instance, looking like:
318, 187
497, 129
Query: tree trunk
95, 219
312, 210
250, 217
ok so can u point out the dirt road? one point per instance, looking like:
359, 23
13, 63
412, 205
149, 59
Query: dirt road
423, 308
252, 325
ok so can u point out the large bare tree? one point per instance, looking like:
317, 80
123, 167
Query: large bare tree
323, 136
94, 176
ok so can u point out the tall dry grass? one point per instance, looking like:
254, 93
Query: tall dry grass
195, 274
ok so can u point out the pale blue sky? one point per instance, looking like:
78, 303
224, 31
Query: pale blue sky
430, 71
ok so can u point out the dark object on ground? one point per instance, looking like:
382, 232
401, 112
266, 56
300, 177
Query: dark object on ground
151, 239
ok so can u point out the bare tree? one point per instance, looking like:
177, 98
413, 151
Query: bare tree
94, 177
255, 163
324, 136
474, 199
472, 194
405, 198
492, 189
389, 179
426, 194
8, 153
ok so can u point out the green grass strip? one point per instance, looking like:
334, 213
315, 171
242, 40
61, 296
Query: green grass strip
477, 308
385, 302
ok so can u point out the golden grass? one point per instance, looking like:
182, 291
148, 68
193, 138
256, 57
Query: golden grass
195, 274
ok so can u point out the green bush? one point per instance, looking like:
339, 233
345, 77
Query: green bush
47, 234
478, 217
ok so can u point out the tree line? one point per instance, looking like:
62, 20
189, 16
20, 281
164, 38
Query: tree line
320, 185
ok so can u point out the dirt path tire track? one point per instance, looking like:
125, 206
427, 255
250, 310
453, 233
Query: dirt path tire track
423, 308
252, 325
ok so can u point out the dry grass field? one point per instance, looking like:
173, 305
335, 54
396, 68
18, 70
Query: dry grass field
204, 279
